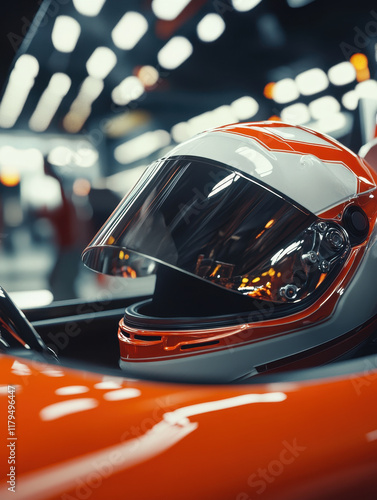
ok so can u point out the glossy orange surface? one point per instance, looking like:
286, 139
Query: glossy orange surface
84, 435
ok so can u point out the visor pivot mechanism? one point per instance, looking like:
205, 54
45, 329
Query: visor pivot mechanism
321, 226
325, 266
289, 291
335, 238
310, 257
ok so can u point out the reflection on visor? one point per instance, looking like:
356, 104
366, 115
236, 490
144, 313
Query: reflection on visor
216, 223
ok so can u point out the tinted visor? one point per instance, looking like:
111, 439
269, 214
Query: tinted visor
216, 223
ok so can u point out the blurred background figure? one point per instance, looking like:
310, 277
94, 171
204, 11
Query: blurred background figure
69, 236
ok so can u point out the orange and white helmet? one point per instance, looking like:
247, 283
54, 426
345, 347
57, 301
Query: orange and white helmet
263, 238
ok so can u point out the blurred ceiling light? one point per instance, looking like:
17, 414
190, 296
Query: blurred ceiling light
74, 120
89, 8
175, 52
49, 102
337, 124
367, 89
81, 187
32, 298
268, 90
296, 114
9, 176
90, 89
210, 119
298, 3
123, 123
245, 107
128, 90
65, 33
245, 5
85, 157
285, 90
129, 30
342, 73
324, 106
210, 28
359, 61
168, 10
20, 82
223, 115
148, 75
60, 156
101, 62
26, 160
350, 100
312, 81
142, 146
180, 132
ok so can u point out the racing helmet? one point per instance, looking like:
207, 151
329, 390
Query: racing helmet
263, 240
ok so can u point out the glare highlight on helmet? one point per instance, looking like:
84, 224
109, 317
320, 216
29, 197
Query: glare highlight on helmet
129, 30
312, 81
175, 52
168, 10
210, 28
88, 8
245, 5
65, 33
49, 102
101, 62
20, 82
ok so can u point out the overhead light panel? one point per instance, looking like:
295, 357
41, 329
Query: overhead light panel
101, 62
168, 10
148, 75
350, 100
210, 28
20, 82
65, 33
296, 114
285, 90
312, 81
175, 52
142, 146
129, 30
245, 5
337, 125
81, 107
128, 90
245, 107
324, 106
89, 8
49, 102
366, 89
342, 73
298, 3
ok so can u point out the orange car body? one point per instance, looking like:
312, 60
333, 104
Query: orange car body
79, 435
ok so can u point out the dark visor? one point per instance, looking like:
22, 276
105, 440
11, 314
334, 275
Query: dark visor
218, 224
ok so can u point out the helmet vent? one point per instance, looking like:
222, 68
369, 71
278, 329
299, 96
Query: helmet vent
199, 345
148, 338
